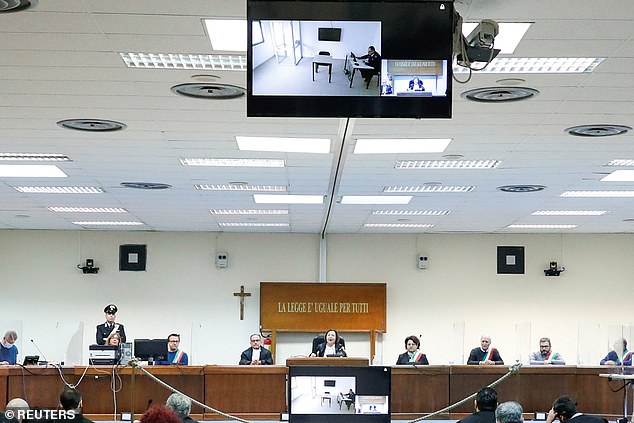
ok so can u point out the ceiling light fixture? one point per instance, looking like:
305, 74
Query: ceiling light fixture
621, 162
252, 224
87, 209
284, 145
619, 176
250, 212
569, 212
60, 190
227, 34
241, 187
288, 199
541, 226
598, 194
223, 62
233, 162
107, 223
376, 199
31, 171
447, 164
411, 212
538, 65
34, 157
398, 225
396, 146
429, 188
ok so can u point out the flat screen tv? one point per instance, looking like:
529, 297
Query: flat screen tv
150, 350
358, 394
292, 73
329, 34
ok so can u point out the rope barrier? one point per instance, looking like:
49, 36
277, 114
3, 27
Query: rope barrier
515, 368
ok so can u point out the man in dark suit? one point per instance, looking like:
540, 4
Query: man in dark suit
105, 329
256, 355
565, 410
485, 354
485, 404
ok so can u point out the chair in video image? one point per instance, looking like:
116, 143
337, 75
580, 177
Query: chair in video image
321, 53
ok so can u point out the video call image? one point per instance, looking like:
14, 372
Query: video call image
371, 404
316, 58
325, 395
414, 78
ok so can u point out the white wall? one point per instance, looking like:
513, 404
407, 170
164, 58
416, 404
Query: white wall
182, 291
355, 37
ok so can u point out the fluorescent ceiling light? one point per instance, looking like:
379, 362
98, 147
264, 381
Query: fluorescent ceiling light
376, 199
288, 199
185, 61
31, 171
411, 212
447, 164
598, 194
87, 209
241, 187
569, 212
619, 176
285, 145
60, 190
227, 34
398, 225
392, 146
538, 65
234, 162
541, 226
509, 36
429, 188
107, 223
35, 157
250, 212
252, 224
621, 162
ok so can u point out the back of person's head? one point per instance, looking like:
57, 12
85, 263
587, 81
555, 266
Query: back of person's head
180, 404
160, 414
16, 404
70, 398
487, 399
565, 406
509, 412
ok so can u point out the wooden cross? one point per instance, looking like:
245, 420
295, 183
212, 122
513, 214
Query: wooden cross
241, 294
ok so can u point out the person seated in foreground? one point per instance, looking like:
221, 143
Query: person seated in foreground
509, 412
15, 405
546, 355
412, 355
485, 404
564, 409
181, 405
613, 359
70, 400
485, 354
159, 414
331, 347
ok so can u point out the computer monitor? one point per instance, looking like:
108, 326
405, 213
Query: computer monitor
150, 350
414, 39
339, 394
107, 355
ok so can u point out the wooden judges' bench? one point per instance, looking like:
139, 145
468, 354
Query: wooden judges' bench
259, 392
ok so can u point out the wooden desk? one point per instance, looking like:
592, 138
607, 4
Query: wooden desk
259, 392
250, 392
328, 361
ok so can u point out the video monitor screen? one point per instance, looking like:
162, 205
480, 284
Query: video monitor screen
339, 394
392, 59
150, 349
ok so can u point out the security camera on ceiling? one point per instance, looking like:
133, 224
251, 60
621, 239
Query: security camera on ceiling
478, 46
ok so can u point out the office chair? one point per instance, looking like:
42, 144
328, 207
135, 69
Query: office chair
321, 53
319, 339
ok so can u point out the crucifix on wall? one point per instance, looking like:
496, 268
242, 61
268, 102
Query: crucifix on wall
241, 294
